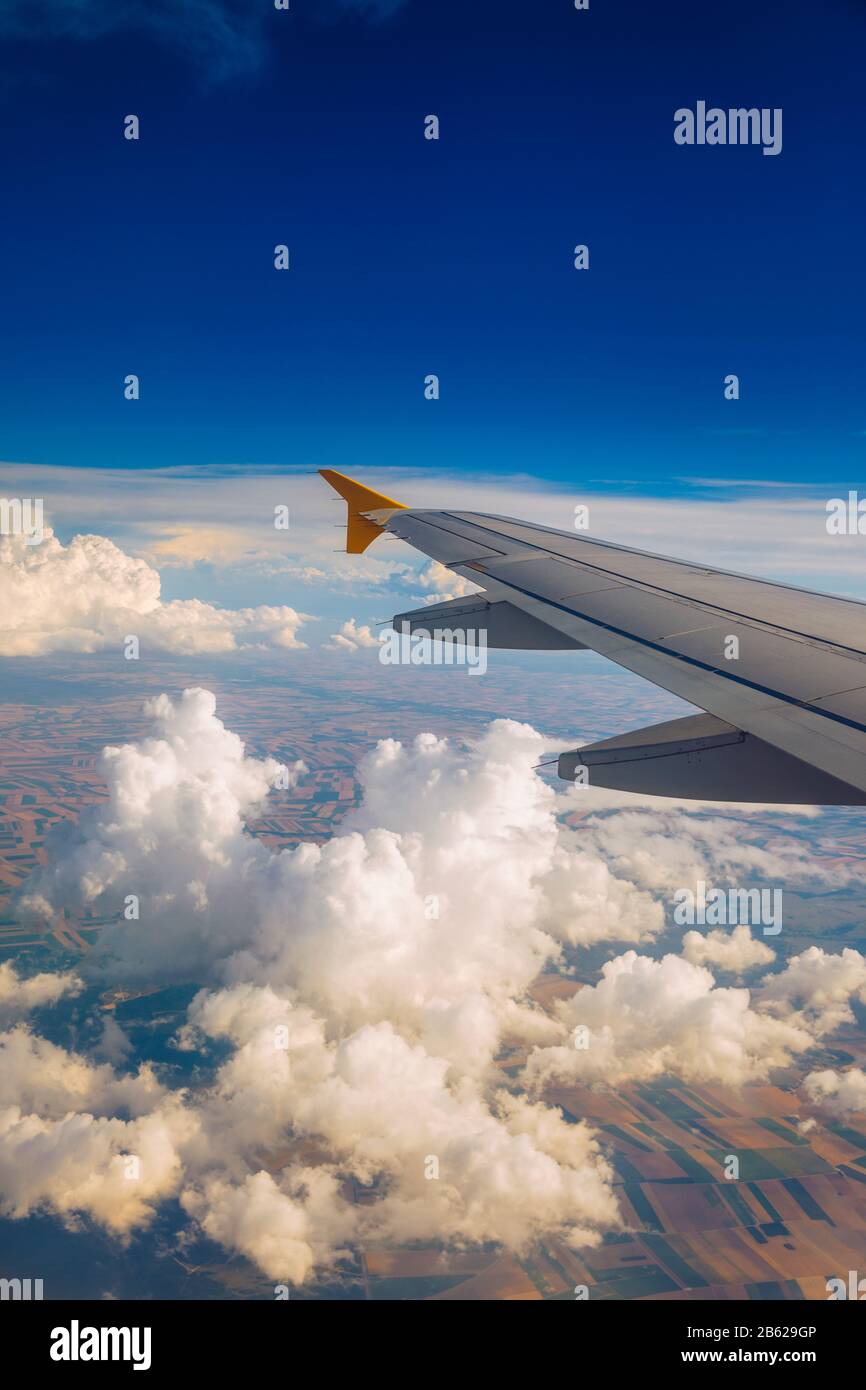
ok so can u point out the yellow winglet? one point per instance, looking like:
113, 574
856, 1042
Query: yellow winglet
360, 529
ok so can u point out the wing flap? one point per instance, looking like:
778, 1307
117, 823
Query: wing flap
707, 758
503, 624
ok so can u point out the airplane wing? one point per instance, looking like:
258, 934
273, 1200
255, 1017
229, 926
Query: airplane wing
780, 671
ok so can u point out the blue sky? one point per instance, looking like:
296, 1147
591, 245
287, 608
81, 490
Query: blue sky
411, 256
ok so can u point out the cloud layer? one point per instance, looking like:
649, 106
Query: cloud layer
358, 998
365, 988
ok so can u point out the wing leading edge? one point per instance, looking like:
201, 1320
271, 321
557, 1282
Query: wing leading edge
781, 671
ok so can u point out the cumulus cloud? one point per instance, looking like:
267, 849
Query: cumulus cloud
91, 595
817, 988
358, 998
351, 638
648, 1018
444, 583
41, 1077
21, 995
365, 986
172, 834
651, 1018
734, 951
383, 1105
77, 1138
453, 852
837, 1093
79, 1164
286, 1227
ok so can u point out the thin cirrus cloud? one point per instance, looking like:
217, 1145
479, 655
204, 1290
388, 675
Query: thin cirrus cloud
221, 524
223, 38
172, 514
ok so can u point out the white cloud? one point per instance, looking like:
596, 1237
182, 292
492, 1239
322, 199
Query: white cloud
665, 847
41, 1077
506, 1170
351, 638
91, 595
185, 516
648, 1018
287, 1226
365, 989
837, 1093
444, 583
63, 1146
397, 957
735, 951
21, 995
172, 834
78, 1163
816, 988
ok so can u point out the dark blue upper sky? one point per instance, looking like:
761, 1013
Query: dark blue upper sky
411, 257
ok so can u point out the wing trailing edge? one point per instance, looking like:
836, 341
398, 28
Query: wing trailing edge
702, 757
504, 625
